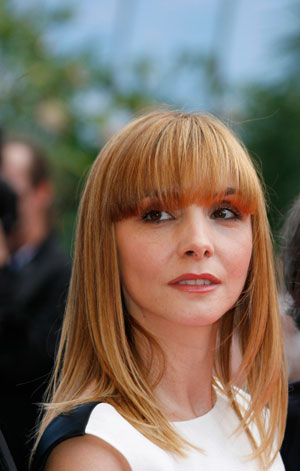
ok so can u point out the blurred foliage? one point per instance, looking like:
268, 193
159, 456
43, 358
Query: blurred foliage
72, 102
272, 136
266, 114
68, 103
272, 128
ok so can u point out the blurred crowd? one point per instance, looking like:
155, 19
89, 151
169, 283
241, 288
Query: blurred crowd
34, 275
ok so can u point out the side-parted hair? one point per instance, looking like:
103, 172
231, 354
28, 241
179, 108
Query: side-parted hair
179, 159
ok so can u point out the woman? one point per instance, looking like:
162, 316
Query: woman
173, 254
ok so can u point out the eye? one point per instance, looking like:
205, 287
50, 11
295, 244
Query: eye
225, 213
156, 216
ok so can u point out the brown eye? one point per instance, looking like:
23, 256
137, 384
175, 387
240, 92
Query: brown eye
224, 213
156, 216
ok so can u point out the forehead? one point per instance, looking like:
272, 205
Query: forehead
178, 162
15, 165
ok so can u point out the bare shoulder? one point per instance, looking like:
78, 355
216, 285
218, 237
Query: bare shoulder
86, 453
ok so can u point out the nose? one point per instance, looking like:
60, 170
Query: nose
196, 238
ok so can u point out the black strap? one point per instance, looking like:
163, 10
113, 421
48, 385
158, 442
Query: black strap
68, 425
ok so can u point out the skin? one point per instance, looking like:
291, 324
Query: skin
86, 453
34, 201
154, 248
196, 240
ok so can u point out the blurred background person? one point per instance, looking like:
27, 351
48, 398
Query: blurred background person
291, 311
8, 212
34, 275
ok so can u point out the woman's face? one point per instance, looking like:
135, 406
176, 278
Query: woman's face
187, 266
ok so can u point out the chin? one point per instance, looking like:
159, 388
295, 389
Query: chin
199, 320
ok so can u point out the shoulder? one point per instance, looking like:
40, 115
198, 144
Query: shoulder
290, 447
293, 416
51, 257
86, 453
294, 394
65, 426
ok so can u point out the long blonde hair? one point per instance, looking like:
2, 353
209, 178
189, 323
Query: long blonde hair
180, 158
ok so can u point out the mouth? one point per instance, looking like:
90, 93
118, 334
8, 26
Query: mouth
195, 279
195, 283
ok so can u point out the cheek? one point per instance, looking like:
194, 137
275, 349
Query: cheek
140, 260
239, 258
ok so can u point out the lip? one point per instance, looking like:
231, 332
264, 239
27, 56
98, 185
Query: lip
193, 276
214, 282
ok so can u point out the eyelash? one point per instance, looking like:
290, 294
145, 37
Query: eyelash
148, 212
233, 210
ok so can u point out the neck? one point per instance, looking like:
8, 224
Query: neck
185, 386
36, 234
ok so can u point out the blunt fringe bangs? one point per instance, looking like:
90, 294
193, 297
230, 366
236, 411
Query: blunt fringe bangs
177, 158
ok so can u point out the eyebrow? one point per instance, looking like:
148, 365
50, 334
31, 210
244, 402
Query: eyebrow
229, 191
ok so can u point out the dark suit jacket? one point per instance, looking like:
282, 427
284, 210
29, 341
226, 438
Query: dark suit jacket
290, 450
32, 302
6, 461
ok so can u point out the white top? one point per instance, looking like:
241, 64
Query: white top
211, 432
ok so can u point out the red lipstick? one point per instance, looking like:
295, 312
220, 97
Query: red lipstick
194, 283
